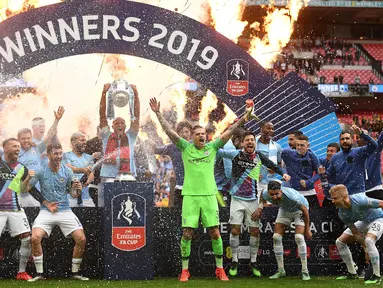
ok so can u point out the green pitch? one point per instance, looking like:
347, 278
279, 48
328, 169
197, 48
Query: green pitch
240, 282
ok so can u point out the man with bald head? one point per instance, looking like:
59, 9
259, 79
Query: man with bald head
272, 150
81, 164
117, 145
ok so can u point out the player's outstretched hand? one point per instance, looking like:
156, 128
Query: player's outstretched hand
52, 206
31, 173
356, 129
308, 234
154, 105
60, 112
76, 185
257, 214
286, 177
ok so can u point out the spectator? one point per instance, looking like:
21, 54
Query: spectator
357, 56
322, 79
371, 81
283, 68
357, 79
349, 58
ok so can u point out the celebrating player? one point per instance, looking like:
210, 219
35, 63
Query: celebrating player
246, 168
364, 218
199, 189
56, 181
293, 207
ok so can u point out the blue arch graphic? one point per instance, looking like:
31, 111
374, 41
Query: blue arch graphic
124, 27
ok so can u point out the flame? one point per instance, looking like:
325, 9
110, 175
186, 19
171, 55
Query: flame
22, 102
85, 75
208, 104
160, 132
9, 8
225, 122
226, 17
179, 100
279, 26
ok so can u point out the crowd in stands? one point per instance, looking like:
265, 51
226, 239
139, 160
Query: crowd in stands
334, 51
162, 180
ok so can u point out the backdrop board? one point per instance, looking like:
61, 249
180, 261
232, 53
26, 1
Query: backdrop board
127, 231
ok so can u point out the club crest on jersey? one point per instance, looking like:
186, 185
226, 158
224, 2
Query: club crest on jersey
62, 180
129, 223
207, 153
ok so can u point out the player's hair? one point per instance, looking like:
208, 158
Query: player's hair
75, 136
183, 124
335, 145
52, 146
237, 134
247, 133
197, 127
263, 123
36, 120
274, 185
339, 189
303, 138
6, 141
344, 132
296, 133
24, 131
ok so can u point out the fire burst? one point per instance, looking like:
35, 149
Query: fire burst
10, 8
224, 15
278, 24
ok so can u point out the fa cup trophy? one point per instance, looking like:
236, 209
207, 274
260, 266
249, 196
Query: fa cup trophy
120, 94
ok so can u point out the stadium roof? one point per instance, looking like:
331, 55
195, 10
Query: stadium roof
321, 3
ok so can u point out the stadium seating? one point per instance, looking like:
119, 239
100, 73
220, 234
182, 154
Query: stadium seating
349, 75
376, 50
362, 60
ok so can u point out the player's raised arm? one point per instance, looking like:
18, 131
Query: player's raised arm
155, 106
103, 118
135, 125
52, 132
246, 117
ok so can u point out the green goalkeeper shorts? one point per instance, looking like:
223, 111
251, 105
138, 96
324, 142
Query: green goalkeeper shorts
193, 206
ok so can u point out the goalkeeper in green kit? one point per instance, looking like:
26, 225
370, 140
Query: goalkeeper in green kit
199, 189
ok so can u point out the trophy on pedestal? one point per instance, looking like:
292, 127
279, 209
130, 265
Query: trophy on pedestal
121, 94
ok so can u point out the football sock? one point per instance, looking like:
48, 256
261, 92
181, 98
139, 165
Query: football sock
234, 243
218, 251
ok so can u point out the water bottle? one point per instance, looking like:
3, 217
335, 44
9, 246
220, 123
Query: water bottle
323, 180
75, 192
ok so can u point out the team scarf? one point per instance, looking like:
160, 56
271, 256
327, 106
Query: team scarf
14, 179
112, 147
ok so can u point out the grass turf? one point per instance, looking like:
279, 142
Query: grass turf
240, 282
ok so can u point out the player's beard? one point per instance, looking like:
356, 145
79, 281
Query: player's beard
346, 148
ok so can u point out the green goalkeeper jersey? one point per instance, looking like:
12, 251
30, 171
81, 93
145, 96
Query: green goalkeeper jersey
199, 167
